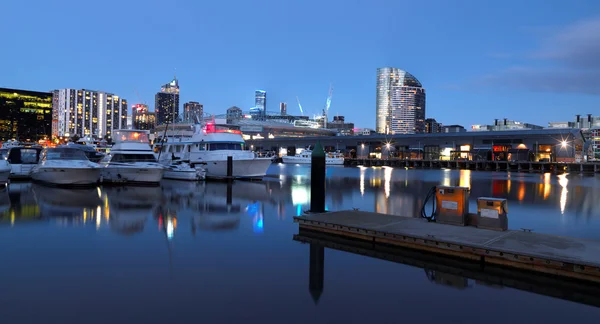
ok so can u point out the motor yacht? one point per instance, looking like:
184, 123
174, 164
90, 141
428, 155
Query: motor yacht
131, 160
65, 166
206, 145
22, 159
305, 157
4, 167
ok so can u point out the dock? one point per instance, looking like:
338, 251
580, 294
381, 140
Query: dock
565, 257
501, 166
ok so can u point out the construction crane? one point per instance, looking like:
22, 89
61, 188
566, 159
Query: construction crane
300, 106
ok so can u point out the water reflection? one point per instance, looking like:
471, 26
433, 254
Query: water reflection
563, 182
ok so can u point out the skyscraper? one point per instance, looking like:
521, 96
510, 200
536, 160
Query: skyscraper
25, 115
400, 103
259, 111
283, 108
87, 113
192, 111
166, 104
141, 118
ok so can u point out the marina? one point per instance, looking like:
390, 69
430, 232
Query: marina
195, 237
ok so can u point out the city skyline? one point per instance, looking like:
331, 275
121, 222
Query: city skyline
481, 61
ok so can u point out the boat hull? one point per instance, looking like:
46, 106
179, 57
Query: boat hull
243, 168
131, 174
302, 160
191, 175
66, 176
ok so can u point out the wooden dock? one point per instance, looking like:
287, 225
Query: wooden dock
502, 166
554, 255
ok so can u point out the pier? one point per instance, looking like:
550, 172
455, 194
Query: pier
552, 255
503, 166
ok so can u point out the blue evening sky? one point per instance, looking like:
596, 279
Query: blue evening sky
529, 60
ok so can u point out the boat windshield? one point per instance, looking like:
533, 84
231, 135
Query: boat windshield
139, 136
118, 157
236, 146
64, 154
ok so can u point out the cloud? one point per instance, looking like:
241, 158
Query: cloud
570, 58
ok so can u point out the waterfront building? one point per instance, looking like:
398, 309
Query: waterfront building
283, 108
166, 103
579, 122
505, 124
192, 111
141, 118
87, 112
340, 126
432, 126
554, 145
453, 129
25, 115
400, 102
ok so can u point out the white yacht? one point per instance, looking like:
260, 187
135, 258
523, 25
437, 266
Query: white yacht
180, 170
209, 147
131, 159
65, 166
4, 167
305, 157
22, 159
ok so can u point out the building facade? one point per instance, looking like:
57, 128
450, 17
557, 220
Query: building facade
283, 108
142, 118
25, 115
400, 102
340, 125
259, 111
432, 126
234, 115
505, 124
87, 112
166, 103
192, 111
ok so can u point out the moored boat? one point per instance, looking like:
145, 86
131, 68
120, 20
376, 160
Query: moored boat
65, 166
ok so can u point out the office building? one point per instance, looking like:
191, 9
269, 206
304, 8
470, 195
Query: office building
432, 126
166, 104
283, 108
580, 122
400, 102
453, 129
234, 115
87, 112
192, 111
259, 111
340, 126
25, 115
141, 118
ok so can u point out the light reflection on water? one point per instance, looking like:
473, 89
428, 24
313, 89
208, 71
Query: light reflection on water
115, 241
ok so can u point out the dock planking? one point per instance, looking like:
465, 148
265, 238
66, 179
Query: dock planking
556, 255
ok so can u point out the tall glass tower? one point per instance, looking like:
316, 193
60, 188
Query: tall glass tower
259, 110
400, 105
166, 103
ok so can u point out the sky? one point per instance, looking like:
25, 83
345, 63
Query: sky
533, 61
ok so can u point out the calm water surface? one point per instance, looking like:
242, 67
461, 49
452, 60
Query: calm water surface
180, 253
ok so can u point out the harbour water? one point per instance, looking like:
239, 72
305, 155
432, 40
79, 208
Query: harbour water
185, 253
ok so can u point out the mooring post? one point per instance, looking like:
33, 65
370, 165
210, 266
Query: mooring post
317, 271
317, 180
229, 168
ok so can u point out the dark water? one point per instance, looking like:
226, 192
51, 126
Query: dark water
180, 253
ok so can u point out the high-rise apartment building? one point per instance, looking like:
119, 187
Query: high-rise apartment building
259, 111
192, 111
283, 108
87, 113
141, 118
400, 102
432, 126
25, 115
166, 105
